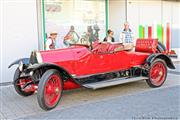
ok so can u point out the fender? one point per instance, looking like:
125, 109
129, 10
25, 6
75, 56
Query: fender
62, 71
24, 61
161, 47
168, 61
69, 81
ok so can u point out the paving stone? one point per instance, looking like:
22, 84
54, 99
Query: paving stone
1, 116
14, 106
157, 103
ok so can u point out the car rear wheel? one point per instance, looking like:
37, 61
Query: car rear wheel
157, 73
19, 83
49, 89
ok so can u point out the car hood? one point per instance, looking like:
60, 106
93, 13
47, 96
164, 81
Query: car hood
59, 55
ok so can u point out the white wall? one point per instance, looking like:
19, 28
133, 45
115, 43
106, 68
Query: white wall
149, 12
144, 12
0, 41
175, 34
19, 33
171, 13
117, 16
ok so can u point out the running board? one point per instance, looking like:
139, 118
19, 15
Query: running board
112, 82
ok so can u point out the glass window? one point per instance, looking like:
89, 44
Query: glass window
82, 14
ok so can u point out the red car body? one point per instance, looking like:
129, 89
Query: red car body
51, 72
80, 61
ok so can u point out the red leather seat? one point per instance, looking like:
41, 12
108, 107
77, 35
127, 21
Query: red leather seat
112, 47
101, 48
95, 43
146, 45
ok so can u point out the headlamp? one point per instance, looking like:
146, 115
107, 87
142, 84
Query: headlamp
21, 66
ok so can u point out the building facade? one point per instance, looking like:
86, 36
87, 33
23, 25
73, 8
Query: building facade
26, 24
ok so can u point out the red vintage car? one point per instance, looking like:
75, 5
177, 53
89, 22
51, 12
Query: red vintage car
96, 66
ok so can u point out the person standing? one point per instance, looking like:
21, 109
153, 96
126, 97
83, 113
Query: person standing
126, 37
90, 34
50, 42
110, 37
71, 37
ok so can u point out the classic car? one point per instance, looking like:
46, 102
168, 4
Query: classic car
92, 66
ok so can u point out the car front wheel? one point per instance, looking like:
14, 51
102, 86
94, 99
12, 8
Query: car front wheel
49, 89
19, 84
157, 73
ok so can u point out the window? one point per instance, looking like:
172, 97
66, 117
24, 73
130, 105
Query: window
61, 14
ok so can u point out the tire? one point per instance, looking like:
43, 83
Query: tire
157, 73
161, 48
17, 87
49, 89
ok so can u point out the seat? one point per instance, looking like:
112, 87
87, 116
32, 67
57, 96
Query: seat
113, 47
105, 47
95, 43
146, 45
101, 48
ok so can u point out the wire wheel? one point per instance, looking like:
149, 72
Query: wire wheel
19, 84
157, 73
49, 89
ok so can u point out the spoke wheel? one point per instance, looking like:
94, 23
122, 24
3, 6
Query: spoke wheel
49, 89
157, 73
19, 84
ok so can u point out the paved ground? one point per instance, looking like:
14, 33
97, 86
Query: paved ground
161, 104
134, 100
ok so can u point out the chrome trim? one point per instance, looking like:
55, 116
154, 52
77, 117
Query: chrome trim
112, 82
20, 66
39, 57
31, 73
73, 75
24, 75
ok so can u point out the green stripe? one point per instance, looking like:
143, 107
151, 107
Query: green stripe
43, 22
107, 14
141, 32
159, 32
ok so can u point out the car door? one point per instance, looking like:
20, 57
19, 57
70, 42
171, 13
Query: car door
120, 60
101, 62
83, 62
109, 62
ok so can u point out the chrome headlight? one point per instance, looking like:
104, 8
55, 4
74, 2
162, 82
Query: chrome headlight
20, 66
31, 73
38, 56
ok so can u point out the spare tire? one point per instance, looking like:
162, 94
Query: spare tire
161, 48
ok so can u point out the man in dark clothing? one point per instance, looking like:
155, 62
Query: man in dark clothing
110, 37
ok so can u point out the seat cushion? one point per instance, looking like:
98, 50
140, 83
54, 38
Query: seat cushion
95, 43
101, 48
146, 45
113, 47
